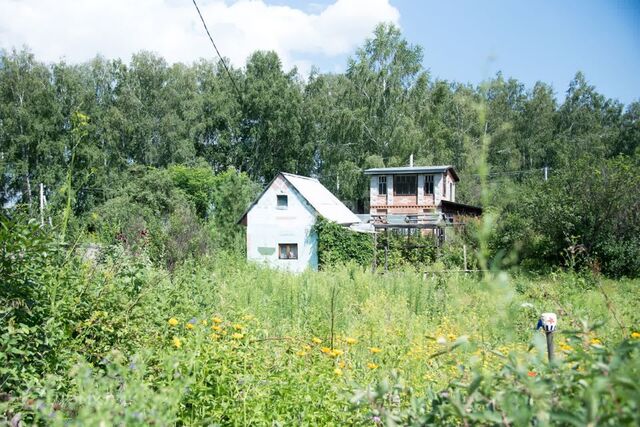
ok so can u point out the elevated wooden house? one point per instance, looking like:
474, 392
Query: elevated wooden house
416, 196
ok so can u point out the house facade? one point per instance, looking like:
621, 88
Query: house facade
415, 194
280, 222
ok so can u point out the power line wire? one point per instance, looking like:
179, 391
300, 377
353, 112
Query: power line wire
224, 64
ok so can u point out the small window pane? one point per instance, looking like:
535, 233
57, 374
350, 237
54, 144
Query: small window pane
382, 185
428, 184
288, 251
283, 201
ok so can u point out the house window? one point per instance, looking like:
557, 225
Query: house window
288, 251
451, 190
405, 185
382, 185
283, 201
428, 184
444, 186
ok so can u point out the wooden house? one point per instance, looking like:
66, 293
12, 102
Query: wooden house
280, 222
421, 195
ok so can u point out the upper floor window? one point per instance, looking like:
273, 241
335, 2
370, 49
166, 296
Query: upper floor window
428, 184
283, 201
405, 185
382, 185
444, 185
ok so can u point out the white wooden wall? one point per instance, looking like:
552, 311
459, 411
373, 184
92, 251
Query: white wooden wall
268, 225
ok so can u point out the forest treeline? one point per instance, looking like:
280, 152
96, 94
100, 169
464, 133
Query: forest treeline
104, 135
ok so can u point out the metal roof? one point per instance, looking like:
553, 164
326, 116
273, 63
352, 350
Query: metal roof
321, 199
412, 169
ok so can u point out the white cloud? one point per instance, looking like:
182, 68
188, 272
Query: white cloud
79, 30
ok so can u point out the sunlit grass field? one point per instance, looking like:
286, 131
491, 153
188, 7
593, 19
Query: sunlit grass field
229, 343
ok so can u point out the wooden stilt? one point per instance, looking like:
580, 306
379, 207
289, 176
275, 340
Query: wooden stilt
375, 250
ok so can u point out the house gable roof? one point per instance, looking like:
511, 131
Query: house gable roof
413, 169
323, 201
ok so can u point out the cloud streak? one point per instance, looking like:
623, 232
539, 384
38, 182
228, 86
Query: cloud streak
78, 30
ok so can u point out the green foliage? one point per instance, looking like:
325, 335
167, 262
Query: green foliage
382, 109
593, 385
588, 211
104, 338
26, 252
197, 183
152, 216
339, 245
232, 193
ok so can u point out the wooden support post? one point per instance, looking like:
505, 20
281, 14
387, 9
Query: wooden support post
548, 322
375, 250
386, 250
550, 346
464, 253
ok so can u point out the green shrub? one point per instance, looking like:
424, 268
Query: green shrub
339, 245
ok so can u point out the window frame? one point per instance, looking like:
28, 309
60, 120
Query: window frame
444, 185
402, 181
429, 183
287, 247
382, 180
280, 197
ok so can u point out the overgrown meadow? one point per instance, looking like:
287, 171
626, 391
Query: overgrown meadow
126, 298
119, 341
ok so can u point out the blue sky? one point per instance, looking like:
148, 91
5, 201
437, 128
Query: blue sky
467, 41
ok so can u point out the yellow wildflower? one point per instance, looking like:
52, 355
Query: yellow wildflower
173, 321
635, 335
325, 350
301, 353
306, 347
204, 322
238, 327
214, 336
338, 372
342, 364
176, 342
337, 352
372, 366
374, 350
565, 347
237, 336
189, 326
316, 340
216, 328
216, 320
451, 337
351, 341
595, 341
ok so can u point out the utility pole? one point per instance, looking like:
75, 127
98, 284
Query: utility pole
41, 205
546, 173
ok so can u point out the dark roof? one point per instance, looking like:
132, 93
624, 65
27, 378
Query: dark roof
413, 169
460, 208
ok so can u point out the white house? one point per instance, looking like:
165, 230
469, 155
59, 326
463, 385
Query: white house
280, 222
